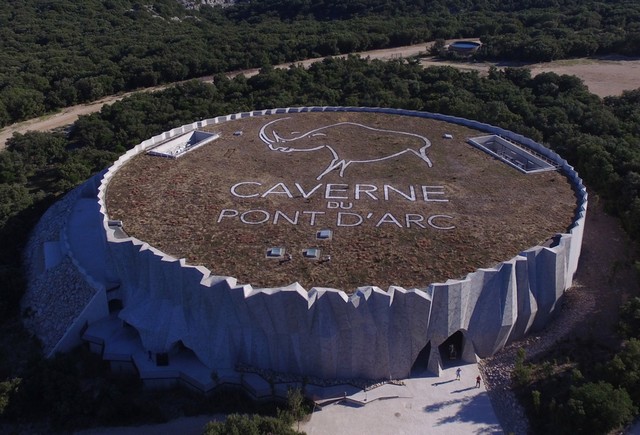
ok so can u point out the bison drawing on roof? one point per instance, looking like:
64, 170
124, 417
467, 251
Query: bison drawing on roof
343, 155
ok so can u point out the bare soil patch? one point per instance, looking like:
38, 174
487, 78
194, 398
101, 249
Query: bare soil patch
607, 76
176, 205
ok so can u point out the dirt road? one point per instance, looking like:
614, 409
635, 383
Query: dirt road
604, 77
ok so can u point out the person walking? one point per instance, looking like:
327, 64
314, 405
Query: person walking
478, 379
458, 373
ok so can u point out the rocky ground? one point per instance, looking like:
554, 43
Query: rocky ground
55, 297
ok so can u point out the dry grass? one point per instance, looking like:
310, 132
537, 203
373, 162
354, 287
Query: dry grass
497, 211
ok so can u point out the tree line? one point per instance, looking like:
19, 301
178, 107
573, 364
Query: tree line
55, 54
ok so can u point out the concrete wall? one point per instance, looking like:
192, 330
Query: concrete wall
371, 334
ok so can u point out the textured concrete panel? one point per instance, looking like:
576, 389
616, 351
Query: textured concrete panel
373, 333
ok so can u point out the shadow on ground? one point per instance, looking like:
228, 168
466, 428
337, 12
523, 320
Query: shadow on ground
475, 409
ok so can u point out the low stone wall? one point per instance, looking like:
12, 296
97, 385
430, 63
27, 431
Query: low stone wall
372, 334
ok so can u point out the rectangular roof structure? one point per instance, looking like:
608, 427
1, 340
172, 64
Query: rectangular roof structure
513, 154
182, 144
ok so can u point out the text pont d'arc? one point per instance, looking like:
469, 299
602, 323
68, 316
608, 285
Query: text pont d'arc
340, 199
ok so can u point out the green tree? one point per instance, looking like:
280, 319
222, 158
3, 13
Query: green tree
437, 48
597, 408
595, 164
12, 168
624, 369
629, 324
296, 404
13, 199
22, 103
37, 149
522, 371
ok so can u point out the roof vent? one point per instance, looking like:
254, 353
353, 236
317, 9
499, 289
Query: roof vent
324, 235
311, 253
275, 252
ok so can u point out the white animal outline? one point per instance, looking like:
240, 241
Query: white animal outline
337, 162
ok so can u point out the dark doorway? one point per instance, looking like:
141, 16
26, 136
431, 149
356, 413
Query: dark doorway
422, 361
162, 359
115, 305
451, 349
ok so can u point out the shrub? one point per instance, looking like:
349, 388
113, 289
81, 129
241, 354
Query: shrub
629, 325
522, 371
535, 397
7, 388
236, 424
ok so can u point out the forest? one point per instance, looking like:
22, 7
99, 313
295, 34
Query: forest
56, 53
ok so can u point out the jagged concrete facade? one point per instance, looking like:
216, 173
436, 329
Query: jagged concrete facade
372, 334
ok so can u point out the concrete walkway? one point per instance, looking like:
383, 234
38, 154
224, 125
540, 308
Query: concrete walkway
424, 405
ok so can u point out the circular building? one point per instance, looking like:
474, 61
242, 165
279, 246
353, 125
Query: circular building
464, 47
323, 242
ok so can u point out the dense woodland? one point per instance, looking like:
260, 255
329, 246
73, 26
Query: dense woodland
55, 53
48, 62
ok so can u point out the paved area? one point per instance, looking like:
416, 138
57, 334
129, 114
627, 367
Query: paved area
424, 405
